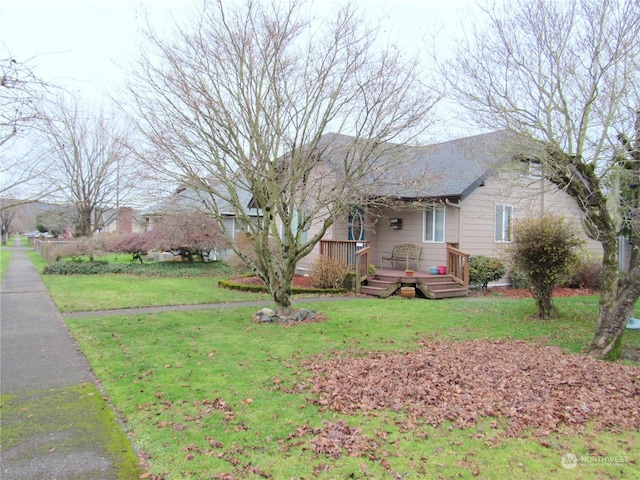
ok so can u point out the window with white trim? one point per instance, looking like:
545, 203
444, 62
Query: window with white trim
434, 224
503, 232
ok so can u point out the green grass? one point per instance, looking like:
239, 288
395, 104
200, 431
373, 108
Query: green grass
101, 292
5, 255
93, 292
201, 392
77, 293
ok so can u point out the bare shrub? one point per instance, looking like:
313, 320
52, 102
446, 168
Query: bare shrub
90, 247
587, 273
327, 272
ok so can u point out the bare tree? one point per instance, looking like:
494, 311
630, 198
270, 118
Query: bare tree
565, 75
8, 212
22, 93
92, 167
241, 101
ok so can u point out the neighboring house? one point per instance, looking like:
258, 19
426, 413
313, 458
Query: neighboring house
472, 192
123, 220
186, 199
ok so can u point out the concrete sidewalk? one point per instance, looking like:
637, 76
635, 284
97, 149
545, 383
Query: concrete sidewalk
54, 423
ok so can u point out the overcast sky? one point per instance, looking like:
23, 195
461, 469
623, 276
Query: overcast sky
77, 43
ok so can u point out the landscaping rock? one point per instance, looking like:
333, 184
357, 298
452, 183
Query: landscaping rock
302, 315
266, 315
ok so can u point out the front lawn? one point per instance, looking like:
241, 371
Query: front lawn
79, 293
209, 394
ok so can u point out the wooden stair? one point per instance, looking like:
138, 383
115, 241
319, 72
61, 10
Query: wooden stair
441, 286
432, 287
380, 286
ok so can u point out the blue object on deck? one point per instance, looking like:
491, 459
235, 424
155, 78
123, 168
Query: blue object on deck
633, 324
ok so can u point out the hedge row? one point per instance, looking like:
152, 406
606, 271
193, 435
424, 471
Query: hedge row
165, 269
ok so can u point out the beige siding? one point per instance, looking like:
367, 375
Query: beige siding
469, 224
412, 231
529, 198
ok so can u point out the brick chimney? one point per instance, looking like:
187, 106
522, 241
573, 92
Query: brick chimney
125, 220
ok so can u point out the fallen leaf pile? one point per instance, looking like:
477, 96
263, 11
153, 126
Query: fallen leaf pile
532, 386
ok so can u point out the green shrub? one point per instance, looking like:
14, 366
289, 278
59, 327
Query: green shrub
328, 272
165, 269
545, 249
483, 270
519, 278
77, 268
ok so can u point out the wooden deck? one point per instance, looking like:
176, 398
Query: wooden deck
387, 282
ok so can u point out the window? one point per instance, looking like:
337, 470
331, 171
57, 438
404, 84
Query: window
504, 223
434, 224
532, 168
356, 224
299, 216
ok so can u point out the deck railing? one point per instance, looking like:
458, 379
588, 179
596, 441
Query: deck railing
458, 265
361, 267
344, 250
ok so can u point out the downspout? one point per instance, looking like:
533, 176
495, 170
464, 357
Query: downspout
542, 196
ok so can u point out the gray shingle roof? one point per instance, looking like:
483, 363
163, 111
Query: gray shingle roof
188, 199
451, 169
455, 168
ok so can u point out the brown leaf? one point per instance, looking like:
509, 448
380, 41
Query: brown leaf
535, 387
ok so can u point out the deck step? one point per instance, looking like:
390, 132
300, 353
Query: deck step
436, 279
379, 283
382, 292
443, 285
387, 278
432, 287
442, 291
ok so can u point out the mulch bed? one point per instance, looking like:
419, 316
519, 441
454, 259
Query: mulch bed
531, 386
299, 281
526, 293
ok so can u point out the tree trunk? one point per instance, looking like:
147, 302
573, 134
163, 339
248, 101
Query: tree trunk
279, 281
543, 295
83, 227
282, 298
616, 304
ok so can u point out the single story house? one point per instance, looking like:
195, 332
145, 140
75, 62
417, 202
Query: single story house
470, 193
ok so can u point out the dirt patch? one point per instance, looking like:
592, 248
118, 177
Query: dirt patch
299, 281
531, 386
